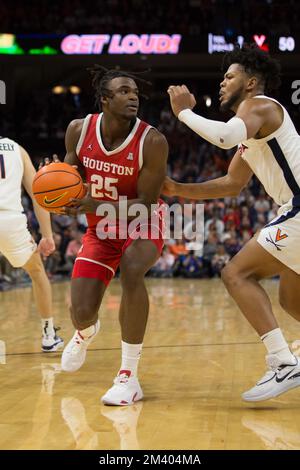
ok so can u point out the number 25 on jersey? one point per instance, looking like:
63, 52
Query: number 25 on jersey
104, 187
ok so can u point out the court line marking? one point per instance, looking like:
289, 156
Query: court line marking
54, 354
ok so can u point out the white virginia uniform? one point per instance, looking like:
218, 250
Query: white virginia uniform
16, 242
275, 160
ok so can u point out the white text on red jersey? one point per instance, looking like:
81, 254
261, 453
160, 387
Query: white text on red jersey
107, 167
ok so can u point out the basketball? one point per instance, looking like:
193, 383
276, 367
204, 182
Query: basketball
55, 184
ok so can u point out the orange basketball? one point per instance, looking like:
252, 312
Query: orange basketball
55, 184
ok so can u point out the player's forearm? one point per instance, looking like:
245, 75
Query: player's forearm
44, 220
213, 189
223, 134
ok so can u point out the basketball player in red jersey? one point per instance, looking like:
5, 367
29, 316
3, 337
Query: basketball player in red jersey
118, 155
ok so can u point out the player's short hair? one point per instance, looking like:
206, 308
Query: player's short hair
255, 62
101, 76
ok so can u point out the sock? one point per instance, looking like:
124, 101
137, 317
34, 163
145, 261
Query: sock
47, 326
90, 330
131, 354
275, 343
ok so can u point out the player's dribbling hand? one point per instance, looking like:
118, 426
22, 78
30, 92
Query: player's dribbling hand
86, 205
55, 159
47, 161
169, 187
46, 246
180, 98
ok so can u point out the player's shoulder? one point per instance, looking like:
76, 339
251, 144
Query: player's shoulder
75, 126
262, 103
155, 138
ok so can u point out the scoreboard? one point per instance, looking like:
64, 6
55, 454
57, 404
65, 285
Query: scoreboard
143, 44
271, 43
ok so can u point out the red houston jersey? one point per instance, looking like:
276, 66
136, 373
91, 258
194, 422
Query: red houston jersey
112, 173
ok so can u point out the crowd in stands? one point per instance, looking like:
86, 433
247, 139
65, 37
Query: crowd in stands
191, 17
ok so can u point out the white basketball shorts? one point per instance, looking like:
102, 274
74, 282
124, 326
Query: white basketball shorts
16, 242
281, 238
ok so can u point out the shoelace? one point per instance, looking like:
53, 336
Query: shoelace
55, 328
274, 368
78, 342
121, 379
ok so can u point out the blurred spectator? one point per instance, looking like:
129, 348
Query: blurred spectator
179, 248
219, 260
215, 223
73, 247
188, 266
53, 261
262, 204
164, 265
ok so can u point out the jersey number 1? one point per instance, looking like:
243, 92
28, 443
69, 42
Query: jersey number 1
2, 167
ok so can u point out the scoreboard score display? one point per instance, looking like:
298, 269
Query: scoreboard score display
273, 44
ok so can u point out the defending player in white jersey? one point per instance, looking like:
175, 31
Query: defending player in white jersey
16, 242
269, 147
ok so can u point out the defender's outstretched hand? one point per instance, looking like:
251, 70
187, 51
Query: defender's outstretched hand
180, 98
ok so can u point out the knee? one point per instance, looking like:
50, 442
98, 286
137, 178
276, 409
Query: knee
35, 270
230, 275
84, 315
132, 274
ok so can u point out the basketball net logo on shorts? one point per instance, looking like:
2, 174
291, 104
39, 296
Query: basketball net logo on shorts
279, 236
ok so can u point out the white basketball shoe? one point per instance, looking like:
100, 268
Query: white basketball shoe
74, 353
125, 391
51, 343
278, 379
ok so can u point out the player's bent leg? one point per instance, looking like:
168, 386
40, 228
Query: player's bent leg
137, 259
289, 293
51, 342
241, 277
40, 284
86, 297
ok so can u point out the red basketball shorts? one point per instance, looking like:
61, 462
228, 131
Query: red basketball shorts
100, 259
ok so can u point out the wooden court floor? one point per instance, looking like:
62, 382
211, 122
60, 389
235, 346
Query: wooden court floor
199, 356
